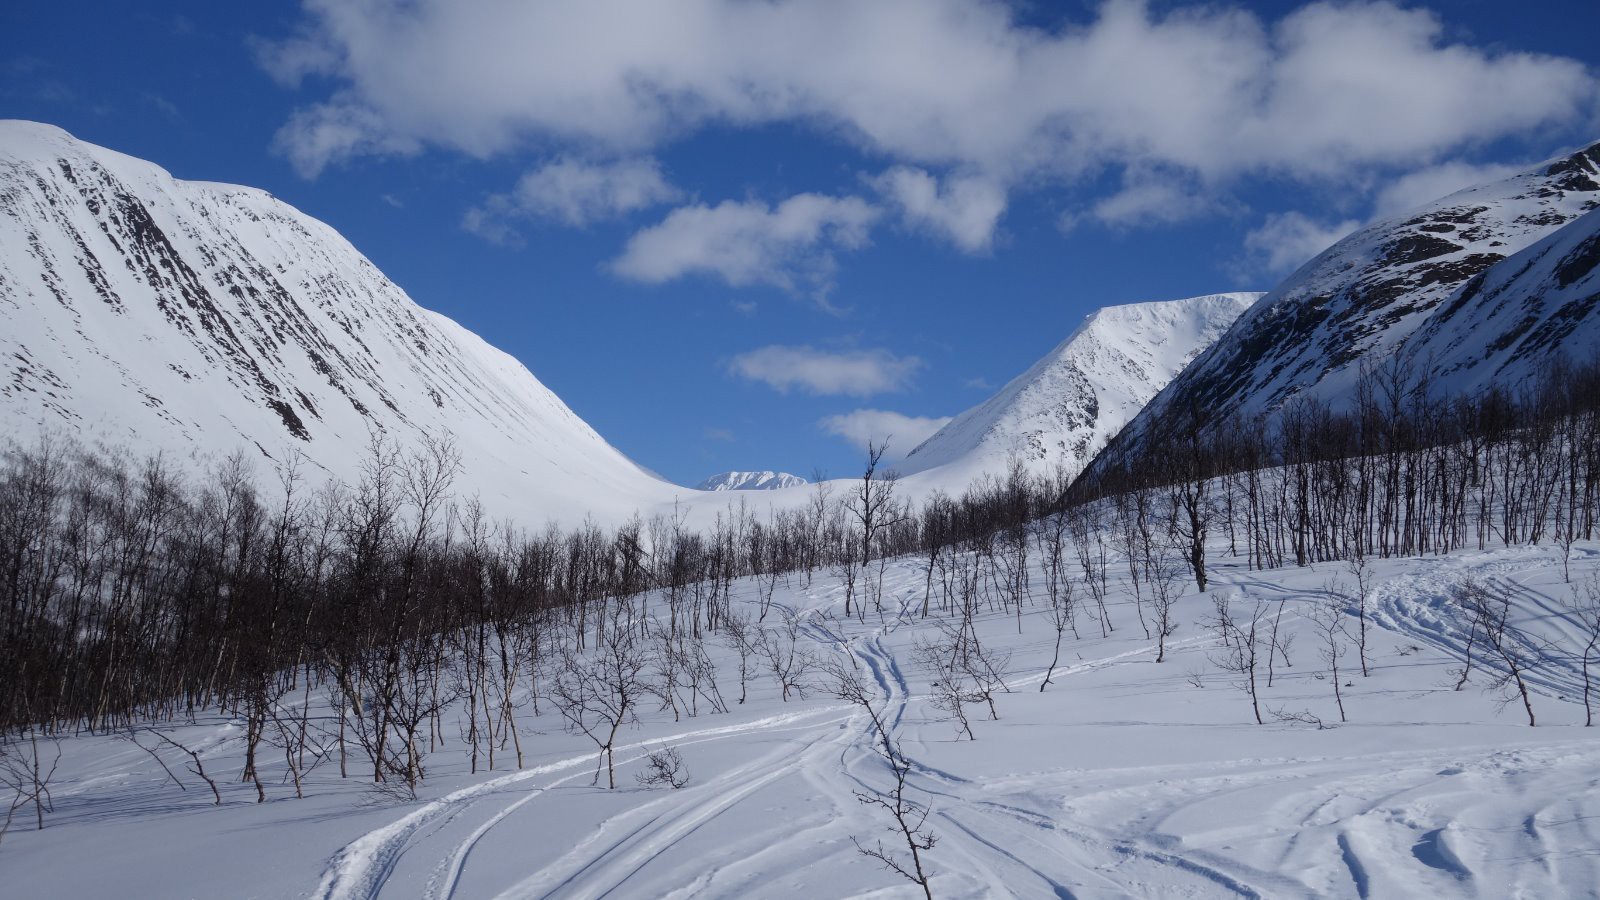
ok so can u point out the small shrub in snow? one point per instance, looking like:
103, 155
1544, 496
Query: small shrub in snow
664, 767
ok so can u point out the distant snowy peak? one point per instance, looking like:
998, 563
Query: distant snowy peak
1366, 296
751, 481
200, 318
1066, 405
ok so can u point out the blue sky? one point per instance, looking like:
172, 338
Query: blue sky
743, 236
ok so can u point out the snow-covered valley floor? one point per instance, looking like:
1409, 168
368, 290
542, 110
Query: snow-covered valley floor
1125, 777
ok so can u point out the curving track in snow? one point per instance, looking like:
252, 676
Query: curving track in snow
1508, 818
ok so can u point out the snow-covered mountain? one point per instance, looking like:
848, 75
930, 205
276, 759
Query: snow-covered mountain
199, 318
1502, 326
1062, 409
1369, 294
751, 481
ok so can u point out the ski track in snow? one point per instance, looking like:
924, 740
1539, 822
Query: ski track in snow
1394, 814
361, 868
620, 846
606, 860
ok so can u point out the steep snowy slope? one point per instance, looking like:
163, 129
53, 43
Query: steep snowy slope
200, 318
751, 481
1363, 297
1503, 325
1063, 408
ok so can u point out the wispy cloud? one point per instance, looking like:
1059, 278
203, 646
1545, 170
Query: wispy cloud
572, 192
315, 135
858, 373
1436, 182
162, 105
903, 432
790, 246
1153, 197
964, 210
1285, 241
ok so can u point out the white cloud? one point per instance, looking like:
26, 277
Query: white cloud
744, 243
576, 193
163, 105
964, 209
1326, 90
902, 432
335, 131
1435, 183
492, 222
1360, 82
1151, 199
859, 373
1287, 240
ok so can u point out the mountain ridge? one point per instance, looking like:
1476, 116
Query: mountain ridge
1363, 298
751, 481
196, 317
1523, 313
1076, 396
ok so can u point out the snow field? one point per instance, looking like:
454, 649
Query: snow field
1122, 779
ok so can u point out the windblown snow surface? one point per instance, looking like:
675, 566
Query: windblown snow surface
199, 319
1125, 778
